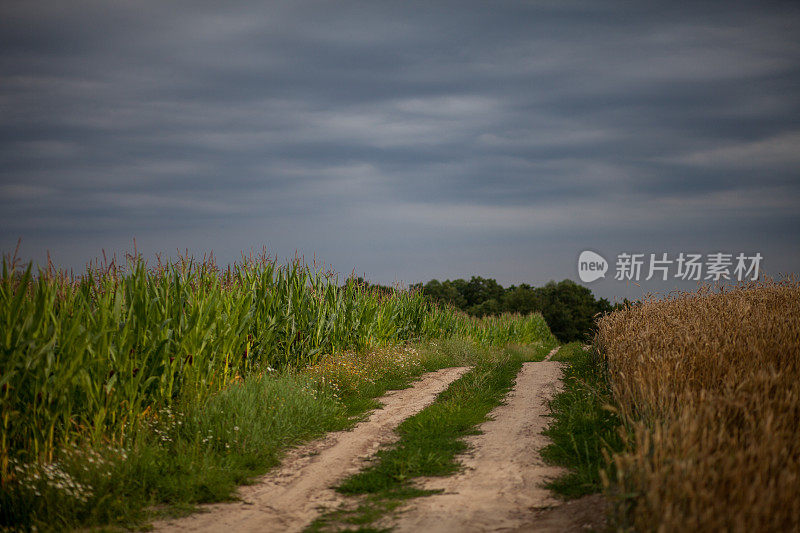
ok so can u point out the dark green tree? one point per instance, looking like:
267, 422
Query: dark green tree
521, 299
569, 309
480, 290
444, 292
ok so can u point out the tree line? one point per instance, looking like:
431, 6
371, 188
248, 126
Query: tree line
568, 308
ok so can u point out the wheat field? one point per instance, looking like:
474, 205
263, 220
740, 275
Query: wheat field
708, 384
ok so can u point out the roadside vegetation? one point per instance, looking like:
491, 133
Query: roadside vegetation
430, 440
568, 308
685, 412
129, 390
585, 427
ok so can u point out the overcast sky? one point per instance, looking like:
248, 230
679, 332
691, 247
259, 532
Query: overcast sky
405, 140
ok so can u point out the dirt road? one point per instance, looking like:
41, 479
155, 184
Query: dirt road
287, 499
500, 488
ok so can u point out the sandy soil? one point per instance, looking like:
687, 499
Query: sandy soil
500, 486
584, 514
289, 498
552, 353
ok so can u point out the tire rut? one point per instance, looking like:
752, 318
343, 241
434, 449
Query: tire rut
291, 496
500, 488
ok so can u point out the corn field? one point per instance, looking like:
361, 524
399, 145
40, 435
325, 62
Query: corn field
84, 357
709, 385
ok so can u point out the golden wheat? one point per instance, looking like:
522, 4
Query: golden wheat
709, 385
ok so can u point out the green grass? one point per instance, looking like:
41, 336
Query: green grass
130, 388
584, 423
181, 458
431, 440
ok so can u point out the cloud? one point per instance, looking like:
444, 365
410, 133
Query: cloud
356, 129
20, 192
776, 152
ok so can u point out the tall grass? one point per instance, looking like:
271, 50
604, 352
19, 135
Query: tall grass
85, 358
505, 329
709, 385
88, 355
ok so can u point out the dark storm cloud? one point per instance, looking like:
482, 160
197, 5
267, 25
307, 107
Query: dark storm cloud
385, 135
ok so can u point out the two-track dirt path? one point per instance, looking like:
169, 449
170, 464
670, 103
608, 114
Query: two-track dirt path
500, 487
288, 498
